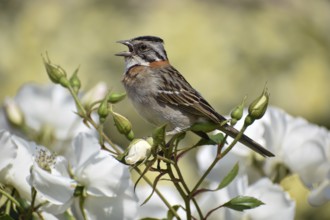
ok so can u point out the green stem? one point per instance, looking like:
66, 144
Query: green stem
200, 213
232, 144
160, 195
31, 209
178, 171
180, 190
165, 159
80, 107
118, 151
218, 157
82, 112
177, 168
215, 161
34, 196
10, 197
81, 206
8, 207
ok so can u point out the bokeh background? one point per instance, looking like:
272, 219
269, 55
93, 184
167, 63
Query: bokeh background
225, 48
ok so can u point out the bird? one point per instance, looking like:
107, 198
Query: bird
161, 94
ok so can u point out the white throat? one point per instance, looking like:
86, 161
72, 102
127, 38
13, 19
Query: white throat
135, 60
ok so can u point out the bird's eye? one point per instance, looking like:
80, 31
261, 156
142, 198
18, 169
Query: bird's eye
143, 47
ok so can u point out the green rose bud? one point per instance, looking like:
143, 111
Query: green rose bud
237, 113
116, 97
56, 73
122, 124
130, 135
75, 81
103, 110
259, 106
248, 121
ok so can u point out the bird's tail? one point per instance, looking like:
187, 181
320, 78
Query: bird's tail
232, 132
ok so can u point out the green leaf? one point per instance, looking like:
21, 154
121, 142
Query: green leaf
146, 169
6, 217
217, 138
154, 185
241, 203
204, 127
229, 177
225, 182
158, 135
170, 214
203, 141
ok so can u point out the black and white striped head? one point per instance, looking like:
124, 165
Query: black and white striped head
143, 51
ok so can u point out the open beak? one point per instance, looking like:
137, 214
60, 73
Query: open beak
125, 53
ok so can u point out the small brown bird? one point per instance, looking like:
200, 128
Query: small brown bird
162, 95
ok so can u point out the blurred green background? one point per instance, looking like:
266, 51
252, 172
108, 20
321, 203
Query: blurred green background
225, 48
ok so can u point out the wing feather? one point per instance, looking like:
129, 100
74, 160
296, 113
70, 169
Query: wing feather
180, 93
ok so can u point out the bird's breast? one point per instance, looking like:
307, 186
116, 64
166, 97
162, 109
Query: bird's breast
140, 83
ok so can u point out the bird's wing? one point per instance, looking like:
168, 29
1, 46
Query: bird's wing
175, 90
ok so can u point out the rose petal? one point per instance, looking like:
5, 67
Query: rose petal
56, 189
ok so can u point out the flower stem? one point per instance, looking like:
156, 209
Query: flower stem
32, 208
82, 112
178, 171
161, 196
10, 197
218, 157
80, 107
81, 206
180, 190
234, 142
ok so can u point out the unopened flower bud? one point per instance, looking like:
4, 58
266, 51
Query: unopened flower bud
103, 110
139, 150
130, 135
237, 113
259, 106
122, 124
14, 114
248, 121
56, 73
75, 81
116, 97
